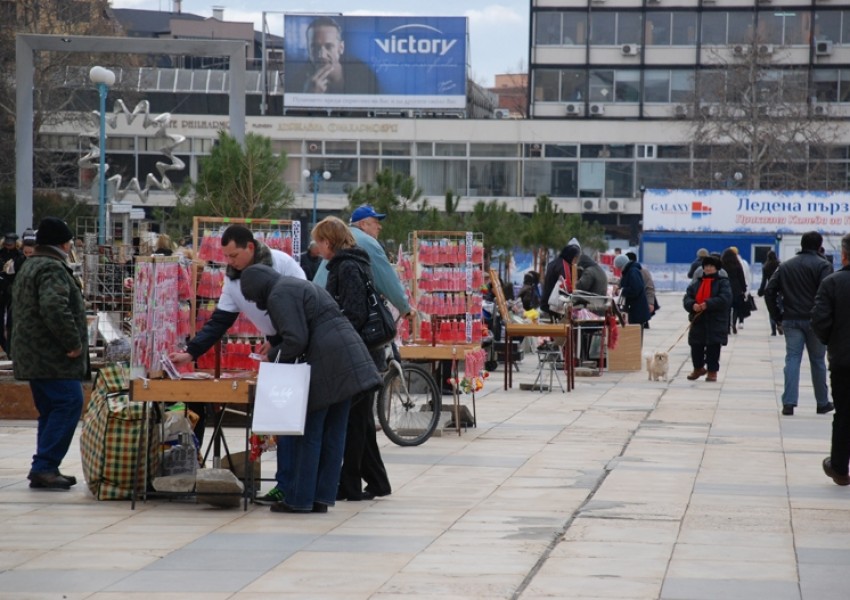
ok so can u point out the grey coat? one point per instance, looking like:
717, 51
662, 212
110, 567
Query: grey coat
314, 330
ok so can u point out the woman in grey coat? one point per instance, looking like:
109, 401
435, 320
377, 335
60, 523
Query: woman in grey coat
314, 331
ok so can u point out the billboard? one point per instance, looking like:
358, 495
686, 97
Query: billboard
379, 63
746, 211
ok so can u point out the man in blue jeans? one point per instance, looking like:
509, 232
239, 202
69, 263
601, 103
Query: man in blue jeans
50, 348
796, 282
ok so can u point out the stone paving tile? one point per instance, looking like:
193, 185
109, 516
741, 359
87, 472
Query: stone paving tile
624, 489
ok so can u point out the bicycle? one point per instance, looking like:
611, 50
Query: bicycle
409, 405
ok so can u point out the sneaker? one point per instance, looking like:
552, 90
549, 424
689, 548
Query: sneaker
830, 472
271, 497
788, 410
828, 407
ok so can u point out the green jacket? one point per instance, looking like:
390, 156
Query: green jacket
49, 319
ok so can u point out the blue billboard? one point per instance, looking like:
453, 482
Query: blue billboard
380, 63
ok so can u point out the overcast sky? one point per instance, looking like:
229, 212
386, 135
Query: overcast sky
498, 29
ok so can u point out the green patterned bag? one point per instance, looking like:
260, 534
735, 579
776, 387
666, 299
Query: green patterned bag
109, 440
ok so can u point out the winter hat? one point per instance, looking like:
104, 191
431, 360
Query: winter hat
10, 238
53, 232
28, 238
621, 261
712, 260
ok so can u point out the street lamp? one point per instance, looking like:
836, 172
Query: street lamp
103, 79
316, 177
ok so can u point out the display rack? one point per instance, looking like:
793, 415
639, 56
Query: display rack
444, 276
243, 337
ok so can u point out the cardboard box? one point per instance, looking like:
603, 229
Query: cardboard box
627, 356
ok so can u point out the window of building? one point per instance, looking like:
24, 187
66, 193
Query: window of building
658, 28
844, 85
603, 28
574, 28
564, 179
8, 13
424, 149
436, 177
602, 86
712, 86
663, 174
340, 147
289, 147
492, 178
546, 85
368, 148
619, 179
684, 28
561, 150
396, 149
627, 86
547, 28
591, 179
504, 150
722, 27
368, 170
397, 165
535, 179
573, 85
741, 27
656, 86
629, 27
450, 149
681, 85
123, 143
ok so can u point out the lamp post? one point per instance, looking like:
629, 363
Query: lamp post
103, 79
316, 177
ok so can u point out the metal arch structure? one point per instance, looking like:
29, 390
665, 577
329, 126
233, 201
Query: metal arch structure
27, 44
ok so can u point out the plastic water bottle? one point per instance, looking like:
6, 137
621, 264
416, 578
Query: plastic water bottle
182, 458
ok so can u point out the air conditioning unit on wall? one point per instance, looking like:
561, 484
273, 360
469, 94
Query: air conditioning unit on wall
823, 47
630, 49
590, 204
597, 109
573, 109
616, 206
821, 110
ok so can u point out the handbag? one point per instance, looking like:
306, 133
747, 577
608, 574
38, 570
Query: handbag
751, 303
379, 329
559, 296
280, 398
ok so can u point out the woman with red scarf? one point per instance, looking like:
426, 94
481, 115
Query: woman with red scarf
708, 300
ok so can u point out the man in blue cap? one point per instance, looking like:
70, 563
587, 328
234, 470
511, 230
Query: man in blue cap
365, 225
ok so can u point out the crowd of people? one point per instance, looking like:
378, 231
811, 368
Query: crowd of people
317, 319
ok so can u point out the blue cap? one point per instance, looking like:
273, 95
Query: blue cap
364, 212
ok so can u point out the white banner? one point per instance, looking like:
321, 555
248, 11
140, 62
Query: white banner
746, 211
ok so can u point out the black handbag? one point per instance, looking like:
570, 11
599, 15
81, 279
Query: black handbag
379, 329
751, 303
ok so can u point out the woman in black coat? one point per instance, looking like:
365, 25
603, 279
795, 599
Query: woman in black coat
314, 330
738, 281
768, 268
707, 301
348, 269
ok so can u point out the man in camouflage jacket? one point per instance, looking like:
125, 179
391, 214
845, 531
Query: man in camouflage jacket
50, 348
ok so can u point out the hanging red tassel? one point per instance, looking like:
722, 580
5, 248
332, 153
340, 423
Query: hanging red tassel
613, 331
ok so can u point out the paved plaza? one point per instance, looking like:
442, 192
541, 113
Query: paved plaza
623, 489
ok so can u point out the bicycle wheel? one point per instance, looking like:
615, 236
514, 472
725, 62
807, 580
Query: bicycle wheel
409, 405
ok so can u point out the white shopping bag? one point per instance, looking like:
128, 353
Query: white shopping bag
280, 399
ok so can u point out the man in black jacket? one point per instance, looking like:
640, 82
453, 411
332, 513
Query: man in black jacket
797, 281
831, 323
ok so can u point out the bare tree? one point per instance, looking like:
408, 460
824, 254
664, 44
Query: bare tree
58, 84
754, 124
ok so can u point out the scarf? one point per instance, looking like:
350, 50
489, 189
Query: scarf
262, 256
704, 291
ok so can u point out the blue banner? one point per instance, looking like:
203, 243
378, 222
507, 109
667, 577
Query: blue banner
383, 63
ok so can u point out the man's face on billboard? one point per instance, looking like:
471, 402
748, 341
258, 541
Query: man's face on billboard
326, 47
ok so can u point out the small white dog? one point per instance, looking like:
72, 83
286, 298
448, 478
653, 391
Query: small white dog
656, 365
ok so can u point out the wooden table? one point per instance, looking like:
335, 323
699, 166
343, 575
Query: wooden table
213, 391
513, 330
452, 352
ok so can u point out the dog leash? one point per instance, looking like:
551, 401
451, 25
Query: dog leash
681, 335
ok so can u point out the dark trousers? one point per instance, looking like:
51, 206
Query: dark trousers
362, 455
707, 356
59, 403
839, 380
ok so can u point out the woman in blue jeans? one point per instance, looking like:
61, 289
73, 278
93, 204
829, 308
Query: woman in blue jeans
313, 330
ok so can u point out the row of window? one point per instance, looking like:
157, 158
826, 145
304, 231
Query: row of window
679, 85
680, 27
515, 170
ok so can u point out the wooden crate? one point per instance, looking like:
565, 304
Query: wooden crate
627, 356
